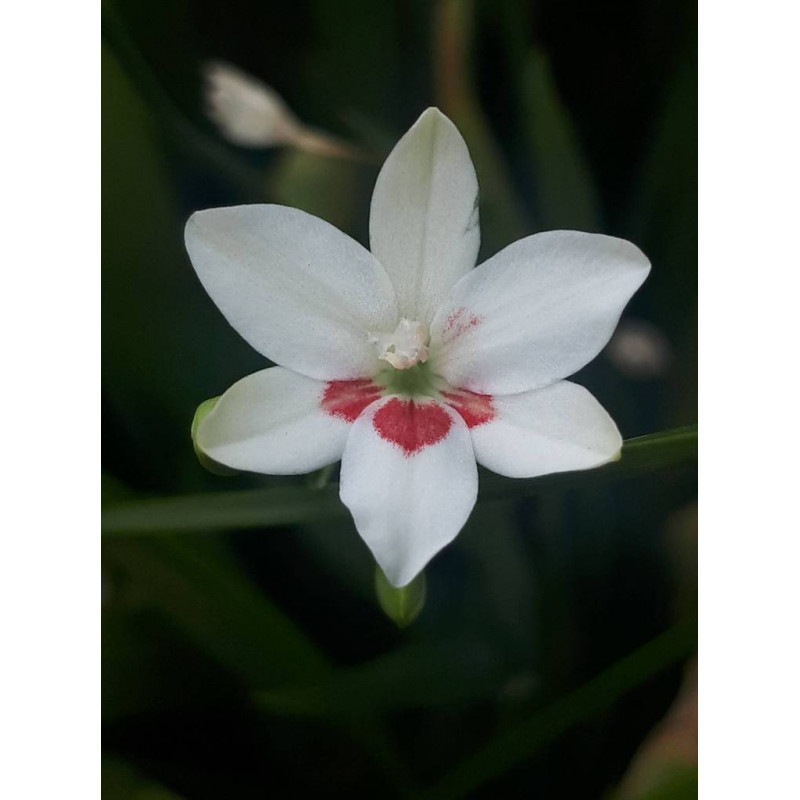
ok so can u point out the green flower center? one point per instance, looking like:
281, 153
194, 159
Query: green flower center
417, 381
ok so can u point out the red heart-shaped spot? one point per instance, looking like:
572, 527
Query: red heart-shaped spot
411, 426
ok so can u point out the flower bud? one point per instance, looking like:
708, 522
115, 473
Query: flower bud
251, 114
248, 112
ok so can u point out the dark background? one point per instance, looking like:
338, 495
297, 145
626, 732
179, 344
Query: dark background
255, 662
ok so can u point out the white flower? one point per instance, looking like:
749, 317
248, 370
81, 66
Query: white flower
407, 363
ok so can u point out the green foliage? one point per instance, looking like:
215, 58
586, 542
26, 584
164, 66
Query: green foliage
283, 505
523, 740
122, 782
566, 194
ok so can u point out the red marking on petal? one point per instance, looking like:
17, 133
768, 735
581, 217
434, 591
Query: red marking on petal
411, 426
347, 399
458, 323
476, 409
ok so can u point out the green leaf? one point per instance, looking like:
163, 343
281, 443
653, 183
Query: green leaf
252, 508
522, 741
402, 605
564, 185
663, 220
289, 505
503, 216
326, 187
439, 676
162, 348
650, 453
416, 676
121, 781
201, 589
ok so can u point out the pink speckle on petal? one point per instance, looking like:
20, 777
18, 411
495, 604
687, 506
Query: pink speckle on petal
347, 399
411, 426
476, 409
458, 323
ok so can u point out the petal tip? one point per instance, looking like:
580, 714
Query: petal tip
195, 220
434, 116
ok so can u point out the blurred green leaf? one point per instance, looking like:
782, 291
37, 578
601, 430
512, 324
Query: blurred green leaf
252, 508
198, 585
149, 664
355, 61
286, 505
503, 218
567, 196
202, 590
501, 579
139, 251
522, 741
157, 327
120, 781
329, 188
418, 676
663, 220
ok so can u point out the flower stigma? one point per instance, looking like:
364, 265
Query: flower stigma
406, 347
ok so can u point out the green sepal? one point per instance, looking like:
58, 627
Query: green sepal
203, 410
402, 605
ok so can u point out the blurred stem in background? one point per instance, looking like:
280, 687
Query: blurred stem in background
565, 190
522, 741
504, 218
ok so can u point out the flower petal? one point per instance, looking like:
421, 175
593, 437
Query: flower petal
423, 223
301, 292
273, 421
536, 312
556, 429
410, 480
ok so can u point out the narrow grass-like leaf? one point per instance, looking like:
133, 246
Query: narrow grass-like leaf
290, 505
567, 197
417, 676
202, 590
524, 740
503, 216
199, 587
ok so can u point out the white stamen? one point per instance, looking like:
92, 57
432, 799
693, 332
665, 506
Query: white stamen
404, 348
